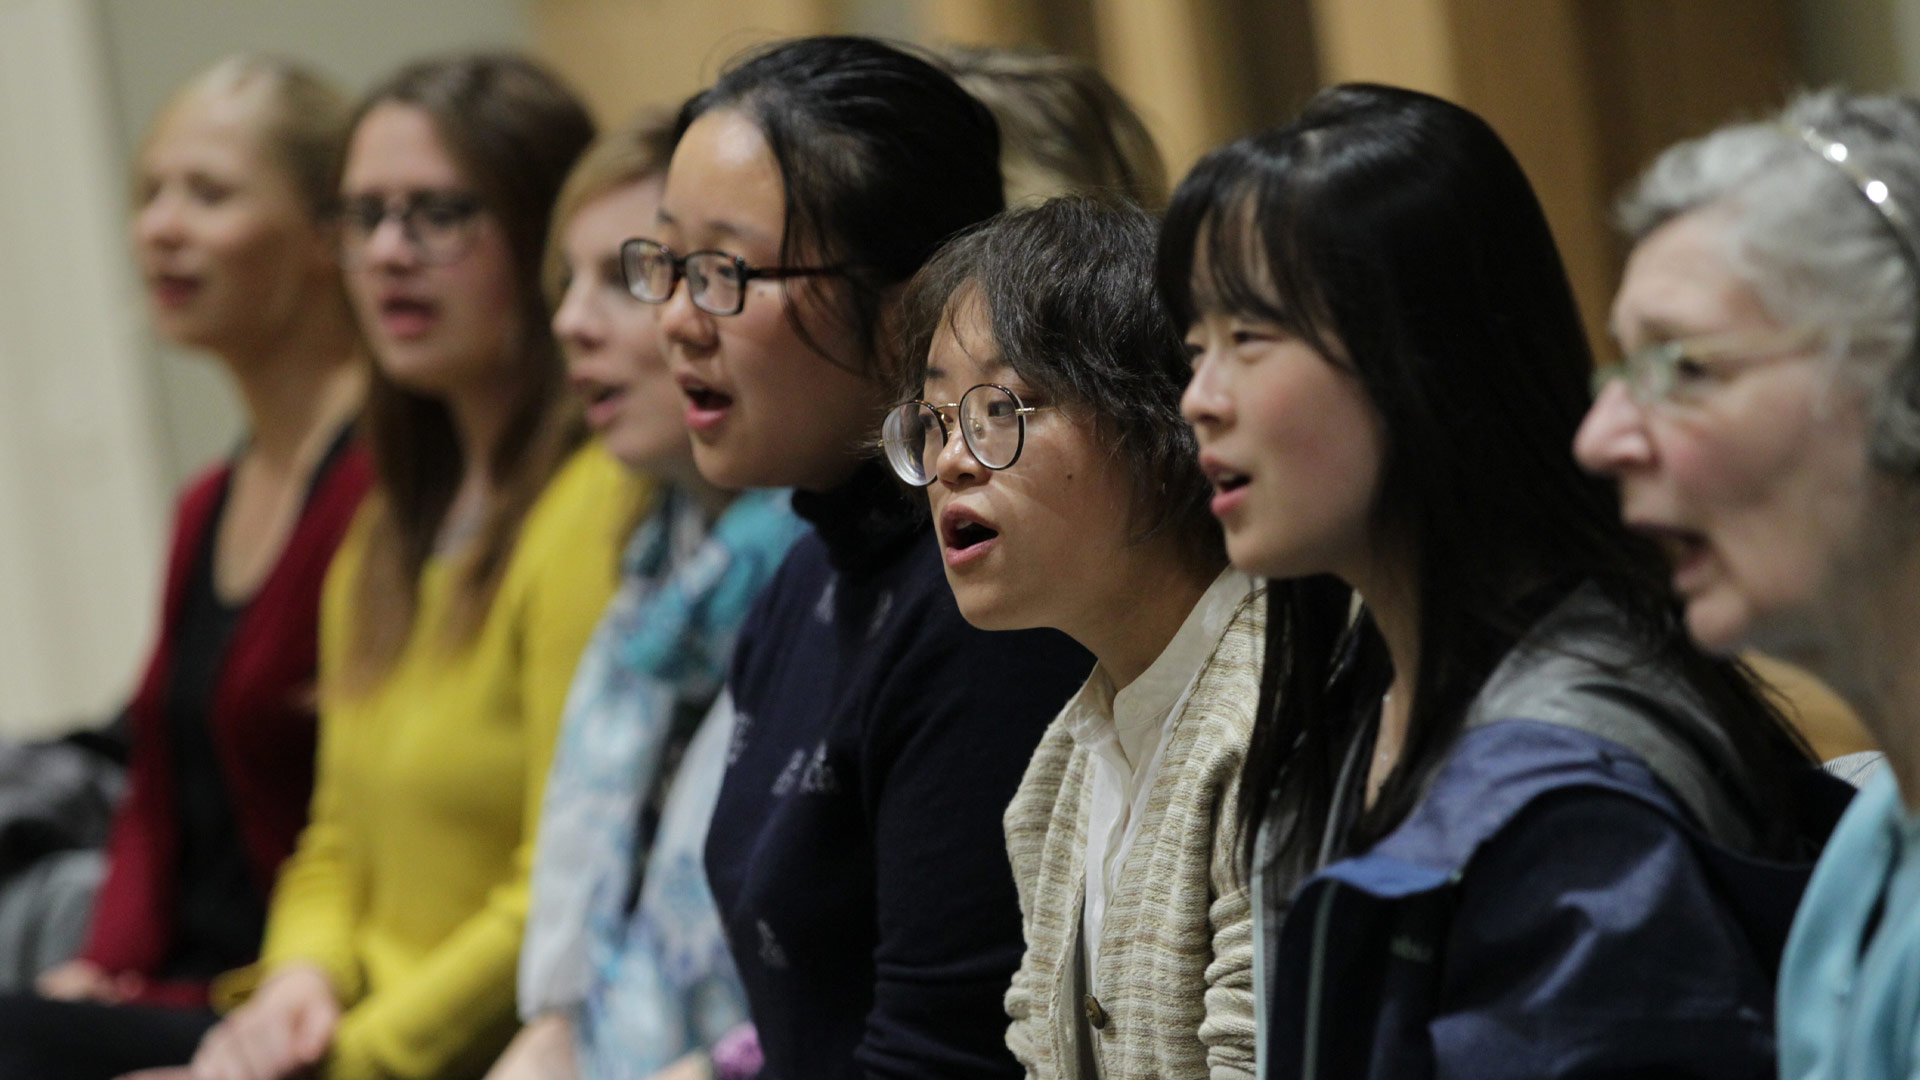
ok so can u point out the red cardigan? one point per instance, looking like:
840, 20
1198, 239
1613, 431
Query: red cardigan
263, 727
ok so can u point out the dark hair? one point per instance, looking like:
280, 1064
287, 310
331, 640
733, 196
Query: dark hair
1396, 234
1068, 291
882, 158
515, 131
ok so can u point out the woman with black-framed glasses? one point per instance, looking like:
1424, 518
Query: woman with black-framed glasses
1068, 494
855, 852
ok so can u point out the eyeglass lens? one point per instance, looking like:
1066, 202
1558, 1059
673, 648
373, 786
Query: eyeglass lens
435, 224
714, 281
990, 422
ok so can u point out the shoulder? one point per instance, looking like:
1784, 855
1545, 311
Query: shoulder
583, 514
1226, 694
1497, 771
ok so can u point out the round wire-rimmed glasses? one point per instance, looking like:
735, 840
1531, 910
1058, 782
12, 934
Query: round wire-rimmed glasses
992, 421
716, 280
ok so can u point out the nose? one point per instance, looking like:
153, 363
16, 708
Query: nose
683, 324
955, 466
1613, 438
577, 322
389, 245
1205, 403
158, 222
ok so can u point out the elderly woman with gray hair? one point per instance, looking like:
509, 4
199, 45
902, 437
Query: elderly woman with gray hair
1765, 428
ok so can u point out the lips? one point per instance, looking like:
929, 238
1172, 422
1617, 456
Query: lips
601, 398
707, 407
1686, 552
965, 536
1229, 485
171, 290
404, 316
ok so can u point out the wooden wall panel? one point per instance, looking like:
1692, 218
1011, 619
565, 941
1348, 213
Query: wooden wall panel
624, 54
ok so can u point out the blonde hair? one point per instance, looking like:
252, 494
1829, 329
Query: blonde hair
304, 119
636, 151
1063, 126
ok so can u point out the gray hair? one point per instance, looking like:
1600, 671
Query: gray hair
1801, 233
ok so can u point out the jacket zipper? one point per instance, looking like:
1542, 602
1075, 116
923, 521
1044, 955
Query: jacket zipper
1316, 984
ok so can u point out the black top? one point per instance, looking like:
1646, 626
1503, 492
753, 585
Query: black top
222, 913
856, 851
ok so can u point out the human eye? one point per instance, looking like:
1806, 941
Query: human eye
363, 213
1254, 333
724, 268
207, 191
442, 211
611, 275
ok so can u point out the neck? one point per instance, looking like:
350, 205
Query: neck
297, 397
1392, 600
1131, 624
1870, 655
480, 417
684, 475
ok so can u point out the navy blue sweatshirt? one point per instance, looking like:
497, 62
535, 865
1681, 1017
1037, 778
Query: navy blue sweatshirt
856, 851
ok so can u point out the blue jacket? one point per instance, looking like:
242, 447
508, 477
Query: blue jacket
1569, 899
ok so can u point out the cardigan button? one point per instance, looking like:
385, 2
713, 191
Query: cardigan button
1096, 1016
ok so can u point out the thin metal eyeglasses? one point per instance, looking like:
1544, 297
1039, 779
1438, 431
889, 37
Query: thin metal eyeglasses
437, 225
992, 421
716, 280
1682, 370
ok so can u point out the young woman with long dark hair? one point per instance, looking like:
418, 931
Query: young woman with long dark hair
1506, 819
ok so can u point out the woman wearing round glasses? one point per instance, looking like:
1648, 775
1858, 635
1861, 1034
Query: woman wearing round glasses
455, 610
1066, 493
1507, 819
855, 851
1764, 432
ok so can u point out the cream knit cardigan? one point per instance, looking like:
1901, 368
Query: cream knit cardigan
1176, 954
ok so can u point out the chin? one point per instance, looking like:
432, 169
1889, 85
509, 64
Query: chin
983, 613
722, 468
1721, 626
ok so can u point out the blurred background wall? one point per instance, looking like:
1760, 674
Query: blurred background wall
99, 423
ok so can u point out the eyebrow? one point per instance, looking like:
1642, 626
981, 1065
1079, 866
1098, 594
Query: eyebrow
722, 228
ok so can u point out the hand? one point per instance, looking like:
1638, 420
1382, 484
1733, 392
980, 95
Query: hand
542, 1051
83, 980
283, 1032
691, 1067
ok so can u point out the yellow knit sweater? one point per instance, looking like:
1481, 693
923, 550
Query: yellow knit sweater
409, 886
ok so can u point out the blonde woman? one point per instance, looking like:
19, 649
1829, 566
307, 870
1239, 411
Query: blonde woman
237, 247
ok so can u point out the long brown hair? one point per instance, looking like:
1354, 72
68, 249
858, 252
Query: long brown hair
515, 131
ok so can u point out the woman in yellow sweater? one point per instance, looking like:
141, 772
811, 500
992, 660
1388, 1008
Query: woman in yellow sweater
458, 604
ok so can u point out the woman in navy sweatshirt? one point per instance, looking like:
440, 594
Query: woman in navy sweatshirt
855, 852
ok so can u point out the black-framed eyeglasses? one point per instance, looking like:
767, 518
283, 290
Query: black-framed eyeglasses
1682, 370
992, 420
716, 280
437, 225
